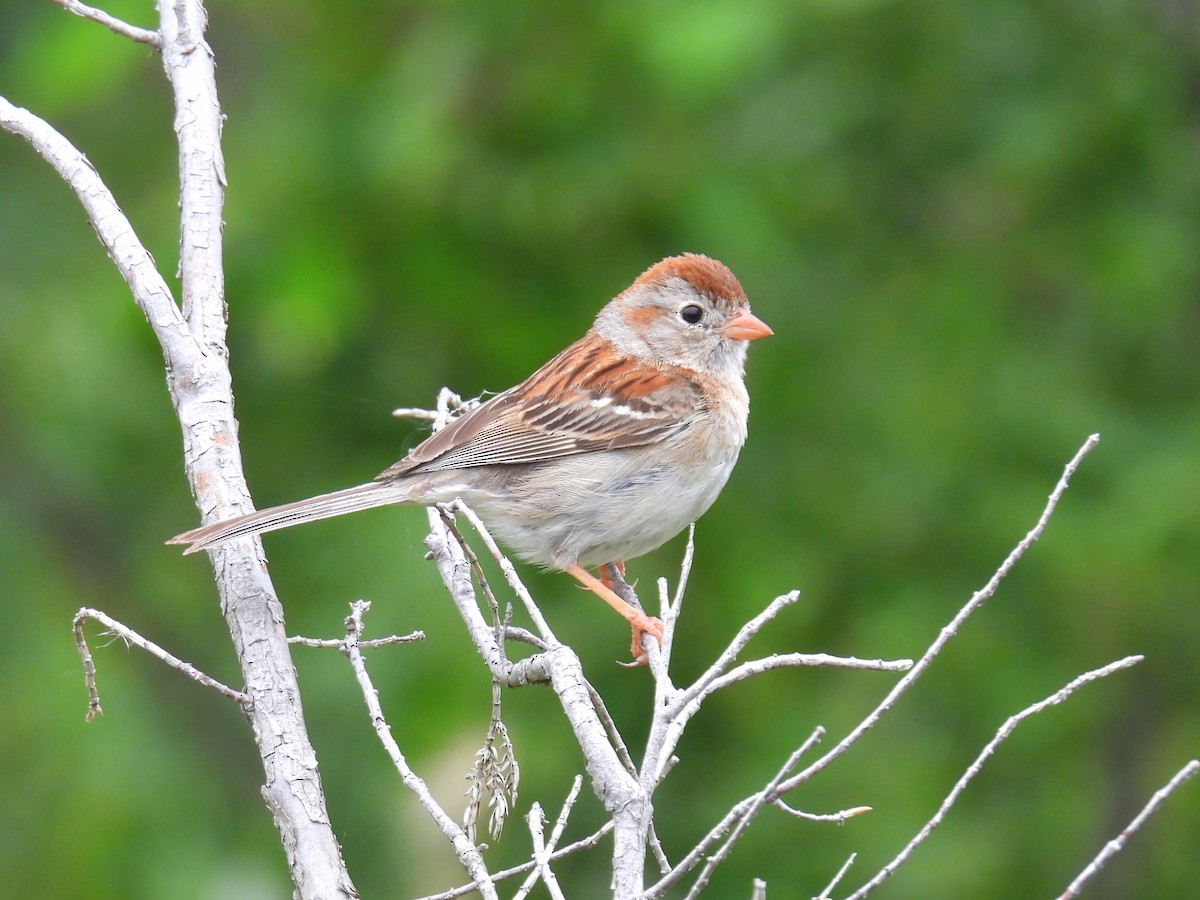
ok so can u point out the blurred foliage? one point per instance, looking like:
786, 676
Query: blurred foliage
974, 229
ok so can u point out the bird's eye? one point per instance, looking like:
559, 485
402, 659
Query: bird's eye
692, 314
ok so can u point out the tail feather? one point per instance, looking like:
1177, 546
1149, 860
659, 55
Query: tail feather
324, 506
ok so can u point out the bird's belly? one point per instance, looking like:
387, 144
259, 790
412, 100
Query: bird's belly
598, 508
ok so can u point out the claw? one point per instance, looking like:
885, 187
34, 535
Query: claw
646, 625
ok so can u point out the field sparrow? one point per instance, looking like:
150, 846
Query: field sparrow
603, 454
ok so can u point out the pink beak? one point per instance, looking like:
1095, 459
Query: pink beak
745, 326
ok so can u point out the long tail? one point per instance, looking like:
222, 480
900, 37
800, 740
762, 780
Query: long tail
324, 506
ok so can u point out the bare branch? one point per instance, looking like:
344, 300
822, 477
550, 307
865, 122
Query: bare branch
977, 600
610, 728
193, 345
191, 68
193, 338
745, 634
833, 882
130, 636
466, 851
133, 261
1005, 730
685, 570
623, 796
113, 24
804, 660
680, 716
510, 572
454, 567
560, 824
838, 818
1117, 844
340, 644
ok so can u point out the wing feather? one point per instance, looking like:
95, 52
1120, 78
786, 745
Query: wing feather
585, 399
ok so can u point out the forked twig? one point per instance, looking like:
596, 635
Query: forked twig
977, 600
582, 844
543, 849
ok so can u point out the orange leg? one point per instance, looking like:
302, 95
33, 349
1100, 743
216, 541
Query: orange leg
639, 622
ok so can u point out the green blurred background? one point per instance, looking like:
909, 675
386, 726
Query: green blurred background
975, 229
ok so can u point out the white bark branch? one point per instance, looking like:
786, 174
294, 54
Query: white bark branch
193, 345
202, 391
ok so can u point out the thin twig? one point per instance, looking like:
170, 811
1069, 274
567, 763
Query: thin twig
468, 854
113, 24
449, 405
838, 818
416, 412
745, 634
130, 636
833, 882
680, 716
509, 571
804, 660
374, 643
1113, 847
972, 770
610, 728
656, 847
977, 600
685, 570
560, 824
477, 570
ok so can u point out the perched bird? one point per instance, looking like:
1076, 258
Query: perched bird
603, 454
